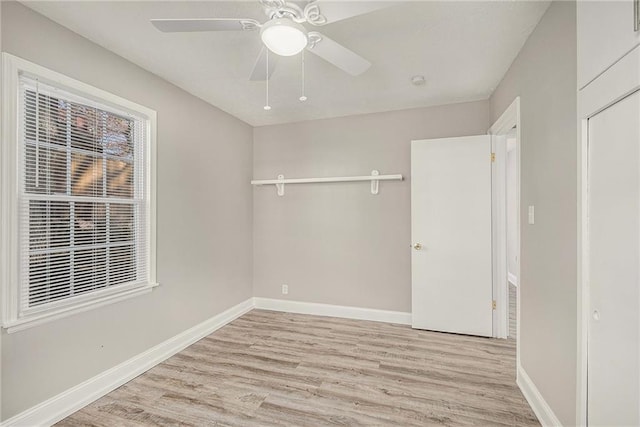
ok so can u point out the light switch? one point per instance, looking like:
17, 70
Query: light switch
532, 215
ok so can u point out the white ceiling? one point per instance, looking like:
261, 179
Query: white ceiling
462, 48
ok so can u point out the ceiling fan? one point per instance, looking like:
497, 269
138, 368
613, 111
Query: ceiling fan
284, 34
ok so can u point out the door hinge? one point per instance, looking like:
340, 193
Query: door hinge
493, 304
493, 157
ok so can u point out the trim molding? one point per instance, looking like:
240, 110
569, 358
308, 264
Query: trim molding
540, 407
14, 318
89, 304
66, 403
617, 82
513, 279
509, 119
58, 407
398, 317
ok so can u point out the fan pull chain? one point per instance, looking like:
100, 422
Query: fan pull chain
303, 97
267, 107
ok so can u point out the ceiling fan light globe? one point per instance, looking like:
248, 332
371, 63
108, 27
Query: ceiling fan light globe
284, 37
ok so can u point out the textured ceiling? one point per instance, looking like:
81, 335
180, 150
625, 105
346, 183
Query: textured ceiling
462, 48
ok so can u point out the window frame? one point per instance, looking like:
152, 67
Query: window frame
10, 180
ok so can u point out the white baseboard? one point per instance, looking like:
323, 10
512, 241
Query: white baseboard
58, 407
64, 404
540, 407
513, 279
300, 307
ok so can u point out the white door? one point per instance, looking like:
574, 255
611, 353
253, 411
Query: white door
613, 382
451, 232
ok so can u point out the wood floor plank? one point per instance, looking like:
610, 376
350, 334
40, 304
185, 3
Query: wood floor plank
492, 412
282, 369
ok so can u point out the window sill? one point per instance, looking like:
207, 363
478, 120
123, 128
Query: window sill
39, 319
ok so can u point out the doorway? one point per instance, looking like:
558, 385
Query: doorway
452, 262
505, 142
511, 166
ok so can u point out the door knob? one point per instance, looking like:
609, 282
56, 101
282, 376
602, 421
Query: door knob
417, 246
596, 315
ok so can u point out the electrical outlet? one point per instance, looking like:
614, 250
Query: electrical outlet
285, 289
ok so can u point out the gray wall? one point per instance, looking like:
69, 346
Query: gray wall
331, 243
337, 243
544, 75
204, 222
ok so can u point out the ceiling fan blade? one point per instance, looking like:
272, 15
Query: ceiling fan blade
333, 52
322, 12
205, 24
259, 72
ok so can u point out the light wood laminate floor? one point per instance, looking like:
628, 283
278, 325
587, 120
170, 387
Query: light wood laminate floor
279, 369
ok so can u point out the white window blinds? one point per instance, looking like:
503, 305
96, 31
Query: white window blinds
83, 225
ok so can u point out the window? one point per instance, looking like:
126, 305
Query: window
82, 211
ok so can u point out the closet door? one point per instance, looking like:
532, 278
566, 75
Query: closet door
614, 265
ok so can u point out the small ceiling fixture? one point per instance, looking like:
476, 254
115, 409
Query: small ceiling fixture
418, 80
284, 37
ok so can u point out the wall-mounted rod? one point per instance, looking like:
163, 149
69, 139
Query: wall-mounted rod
331, 179
375, 177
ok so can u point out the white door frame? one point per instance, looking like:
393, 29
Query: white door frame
507, 121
